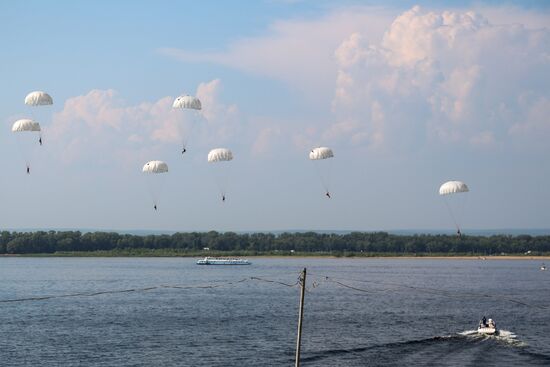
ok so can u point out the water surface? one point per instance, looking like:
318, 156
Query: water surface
358, 312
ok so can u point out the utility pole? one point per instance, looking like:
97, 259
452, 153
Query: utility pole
301, 316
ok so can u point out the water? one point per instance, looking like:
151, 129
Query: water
396, 316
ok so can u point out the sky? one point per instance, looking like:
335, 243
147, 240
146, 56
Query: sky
408, 95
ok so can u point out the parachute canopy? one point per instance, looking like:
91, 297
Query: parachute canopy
25, 125
453, 187
220, 155
190, 102
320, 153
38, 98
155, 167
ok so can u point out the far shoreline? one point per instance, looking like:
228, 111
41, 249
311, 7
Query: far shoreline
293, 256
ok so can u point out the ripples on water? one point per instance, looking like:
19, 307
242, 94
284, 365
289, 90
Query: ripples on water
394, 317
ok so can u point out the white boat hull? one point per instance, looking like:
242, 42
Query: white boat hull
487, 331
222, 261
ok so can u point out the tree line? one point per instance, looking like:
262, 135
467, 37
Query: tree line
257, 243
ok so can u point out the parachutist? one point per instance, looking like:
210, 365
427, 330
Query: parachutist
155, 206
328, 194
458, 233
40, 141
183, 151
28, 170
223, 198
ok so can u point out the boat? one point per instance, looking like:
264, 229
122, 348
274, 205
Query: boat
222, 261
487, 327
543, 267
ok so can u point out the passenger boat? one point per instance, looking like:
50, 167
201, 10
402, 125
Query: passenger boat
488, 327
222, 261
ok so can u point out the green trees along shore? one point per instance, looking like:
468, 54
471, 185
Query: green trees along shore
216, 243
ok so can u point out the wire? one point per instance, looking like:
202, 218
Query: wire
318, 281
145, 289
434, 291
275, 281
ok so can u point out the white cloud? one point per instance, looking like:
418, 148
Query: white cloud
535, 121
298, 52
101, 124
403, 79
265, 140
396, 81
224, 121
446, 76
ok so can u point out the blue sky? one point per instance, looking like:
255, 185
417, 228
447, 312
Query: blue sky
407, 97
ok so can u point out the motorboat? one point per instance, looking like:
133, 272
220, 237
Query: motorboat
222, 261
487, 327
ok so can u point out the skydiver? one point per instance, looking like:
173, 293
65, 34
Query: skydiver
458, 233
327, 194
155, 206
40, 140
183, 150
28, 170
223, 198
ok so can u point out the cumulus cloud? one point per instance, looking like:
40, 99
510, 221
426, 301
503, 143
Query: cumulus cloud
298, 52
103, 122
474, 76
264, 140
224, 121
442, 76
536, 120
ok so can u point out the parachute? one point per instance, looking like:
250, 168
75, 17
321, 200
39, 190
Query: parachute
25, 125
453, 187
219, 156
319, 156
28, 137
152, 169
38, 98
39, 105
187, 107
453, 192
155, 167
187, 101
320, 153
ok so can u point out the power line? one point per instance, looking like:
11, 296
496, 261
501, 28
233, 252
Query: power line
434, 291
145, 289
343, 282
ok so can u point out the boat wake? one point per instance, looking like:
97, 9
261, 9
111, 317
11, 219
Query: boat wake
503, 336
449, 349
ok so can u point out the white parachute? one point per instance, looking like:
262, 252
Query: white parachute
155, 167
154, 170
39, 104
187, 109
25, 125
220, 157
187, 101
453, 193
320, 153
38, 98
453, 187
28, 134
319, 156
